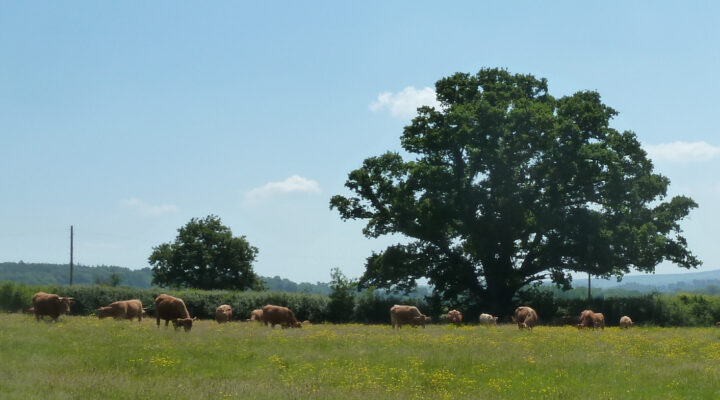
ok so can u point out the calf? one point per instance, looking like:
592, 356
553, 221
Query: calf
124, 309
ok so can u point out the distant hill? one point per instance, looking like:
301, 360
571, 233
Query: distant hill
689, 281
59, 274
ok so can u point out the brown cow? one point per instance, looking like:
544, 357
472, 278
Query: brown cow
307, 322
256, 315
454, 317
625, 322
51, 305
277, 315
223, 313
173, 309
124, 309
525, 317
407, 315
588, 319
487, 319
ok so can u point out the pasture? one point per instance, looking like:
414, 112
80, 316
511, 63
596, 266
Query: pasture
83, 357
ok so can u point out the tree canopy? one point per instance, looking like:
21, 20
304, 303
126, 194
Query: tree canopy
507, 185
205, 255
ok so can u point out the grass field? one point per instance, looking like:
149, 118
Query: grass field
83, 357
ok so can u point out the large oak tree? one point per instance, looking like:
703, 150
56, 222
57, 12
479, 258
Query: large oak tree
507, 185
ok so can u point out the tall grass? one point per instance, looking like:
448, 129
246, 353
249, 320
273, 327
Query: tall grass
83, 357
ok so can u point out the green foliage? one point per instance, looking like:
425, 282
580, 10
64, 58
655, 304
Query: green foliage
205, 255
509, 185
342, 298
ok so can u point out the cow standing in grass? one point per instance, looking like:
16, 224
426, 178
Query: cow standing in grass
625, 322
256, 315
124, 309
487, 319
277, 315
223, 314
407, 315
525, 317
590, 319
173, 309
51, 305
454, 317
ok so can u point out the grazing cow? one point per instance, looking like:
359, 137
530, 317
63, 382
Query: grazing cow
454, 317
487, 319
306, 322
625, 322
717, 323
51, 305
588, 319
525, 317
283, 316
124, 309
223, 313
256, 315
407, 315
173, 309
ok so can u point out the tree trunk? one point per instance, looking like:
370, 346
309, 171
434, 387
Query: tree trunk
499, 297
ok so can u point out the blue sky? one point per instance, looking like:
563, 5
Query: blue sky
128, 119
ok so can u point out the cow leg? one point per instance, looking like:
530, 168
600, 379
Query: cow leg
158, 321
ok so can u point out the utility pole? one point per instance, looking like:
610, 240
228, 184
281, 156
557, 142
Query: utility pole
71, 254
589, 297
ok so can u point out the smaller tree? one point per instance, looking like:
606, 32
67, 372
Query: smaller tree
205, 255
342, 297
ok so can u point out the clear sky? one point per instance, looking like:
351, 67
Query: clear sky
126, 119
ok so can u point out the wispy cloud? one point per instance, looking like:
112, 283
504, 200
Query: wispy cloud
404, 104
684, 152
149, 209
293, 184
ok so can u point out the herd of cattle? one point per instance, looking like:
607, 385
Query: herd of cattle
172, 309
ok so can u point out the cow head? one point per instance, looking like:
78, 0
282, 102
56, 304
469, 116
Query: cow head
66, 302
186, 323
297, 324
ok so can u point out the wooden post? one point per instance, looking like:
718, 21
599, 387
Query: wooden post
71, 255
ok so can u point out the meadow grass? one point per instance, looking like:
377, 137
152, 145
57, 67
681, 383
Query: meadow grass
83, 357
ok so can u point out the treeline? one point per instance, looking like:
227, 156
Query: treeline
58, 274
369, 307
